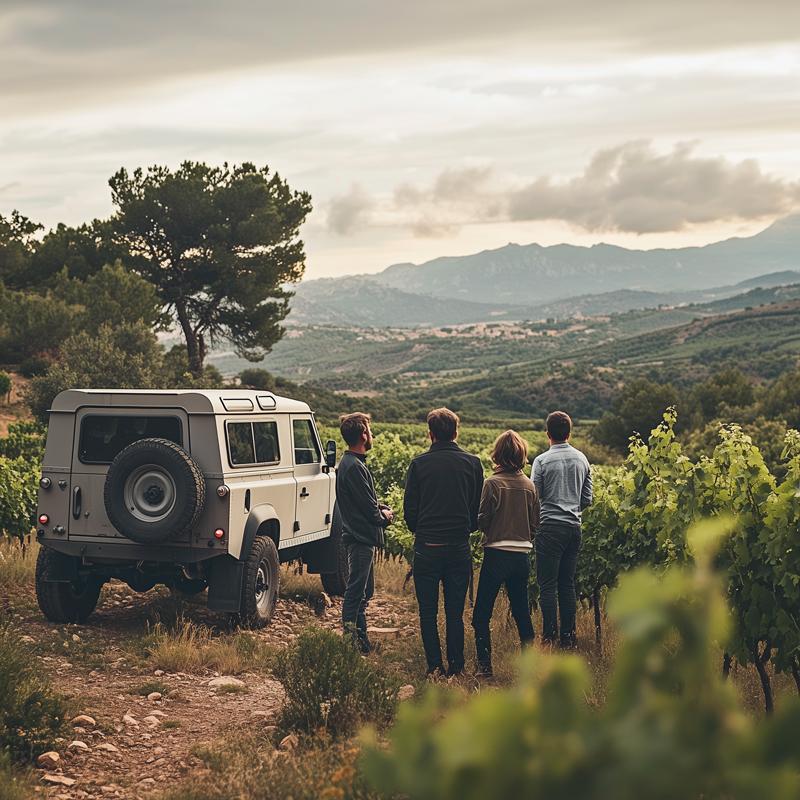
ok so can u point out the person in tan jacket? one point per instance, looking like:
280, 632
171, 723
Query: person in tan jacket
508, 517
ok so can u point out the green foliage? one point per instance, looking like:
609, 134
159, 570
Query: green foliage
24, 439
5, 383
330, 686
111, 296
637, 409
255, 378
127, 357
31, 715
219, 244
18, 495
672, 728
17, 242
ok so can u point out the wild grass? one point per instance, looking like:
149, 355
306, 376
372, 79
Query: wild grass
188, 647
148, 687
319, 769
17, 561
31, 713
13, 782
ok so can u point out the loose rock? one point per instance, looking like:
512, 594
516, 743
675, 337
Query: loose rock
77, 745
289, 742
107, 747
154, 696
84, 720
130, 720
406, 692
49, 760
61, 780
225, 680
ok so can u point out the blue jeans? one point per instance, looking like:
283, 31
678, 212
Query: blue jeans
556, 558
359, 591
451, 566
512, 569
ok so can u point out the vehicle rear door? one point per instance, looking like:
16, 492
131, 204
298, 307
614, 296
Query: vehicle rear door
100, 434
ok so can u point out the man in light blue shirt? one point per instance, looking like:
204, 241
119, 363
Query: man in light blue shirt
563, 480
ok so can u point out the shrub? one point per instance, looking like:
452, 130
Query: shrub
329, 685
24, 439
31, 714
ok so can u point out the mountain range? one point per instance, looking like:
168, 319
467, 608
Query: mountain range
532, 282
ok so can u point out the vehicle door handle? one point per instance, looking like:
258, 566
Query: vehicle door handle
304, 493
76, 502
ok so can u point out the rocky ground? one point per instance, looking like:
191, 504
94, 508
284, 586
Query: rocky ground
136, 730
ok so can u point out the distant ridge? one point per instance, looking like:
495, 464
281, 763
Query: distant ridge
533, 282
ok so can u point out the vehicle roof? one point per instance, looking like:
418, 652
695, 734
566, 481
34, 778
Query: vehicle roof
193, 401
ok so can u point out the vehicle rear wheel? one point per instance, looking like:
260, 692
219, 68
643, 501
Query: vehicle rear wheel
335, 583
62, 601
260, 584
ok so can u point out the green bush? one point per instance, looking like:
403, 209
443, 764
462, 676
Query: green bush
31, 714
330, 686
5, 384
19, 479
671, 728
24, 440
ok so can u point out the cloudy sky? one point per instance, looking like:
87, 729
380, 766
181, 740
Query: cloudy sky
420, 128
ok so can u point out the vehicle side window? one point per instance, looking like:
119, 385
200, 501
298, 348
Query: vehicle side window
306, 450
266, 436
240, 443
103, 436
251, 443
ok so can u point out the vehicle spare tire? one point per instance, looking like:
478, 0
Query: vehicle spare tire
154, 491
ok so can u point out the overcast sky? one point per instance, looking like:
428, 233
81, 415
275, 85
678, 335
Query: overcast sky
420, 128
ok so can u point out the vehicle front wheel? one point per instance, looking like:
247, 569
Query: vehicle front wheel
62, 601
260, 583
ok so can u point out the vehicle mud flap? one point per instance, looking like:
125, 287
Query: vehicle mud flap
61, 568
225, 584
320, 556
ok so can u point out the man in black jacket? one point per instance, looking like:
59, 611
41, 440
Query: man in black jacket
363, 522
443, 492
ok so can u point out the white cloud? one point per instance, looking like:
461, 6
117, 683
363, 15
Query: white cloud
347, 213
634, 188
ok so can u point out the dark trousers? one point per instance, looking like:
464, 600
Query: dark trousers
359, 591
512, 569
451, 566
556, 557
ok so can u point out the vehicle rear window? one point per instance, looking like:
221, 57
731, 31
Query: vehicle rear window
253, 443
103, 436
306, 450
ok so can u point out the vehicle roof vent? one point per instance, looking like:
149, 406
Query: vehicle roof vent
237, 403
266, 402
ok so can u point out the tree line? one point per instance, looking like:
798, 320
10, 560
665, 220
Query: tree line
207, 251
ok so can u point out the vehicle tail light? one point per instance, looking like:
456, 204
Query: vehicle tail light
43, 519
219, 533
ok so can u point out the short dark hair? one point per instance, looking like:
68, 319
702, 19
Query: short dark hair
559, 426
510, 451
353, 426
443, 424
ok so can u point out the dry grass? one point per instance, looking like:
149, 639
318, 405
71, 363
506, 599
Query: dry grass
188, 647
299, 586
17, 561
320, 769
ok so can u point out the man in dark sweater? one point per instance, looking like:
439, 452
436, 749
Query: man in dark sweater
363, 522
443, 492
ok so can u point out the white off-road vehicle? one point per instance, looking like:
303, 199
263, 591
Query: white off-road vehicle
194, 489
